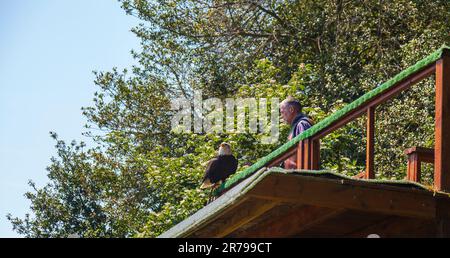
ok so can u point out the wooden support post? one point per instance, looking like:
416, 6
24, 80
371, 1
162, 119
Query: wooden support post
442, 126
300, 155
417, 155
370, 150
307, 153
315, 161
414, 168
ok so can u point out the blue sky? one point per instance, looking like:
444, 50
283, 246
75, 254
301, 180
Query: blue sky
48, 50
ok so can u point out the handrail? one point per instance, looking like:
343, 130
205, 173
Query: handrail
307, 144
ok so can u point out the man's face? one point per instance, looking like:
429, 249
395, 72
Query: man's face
287, 113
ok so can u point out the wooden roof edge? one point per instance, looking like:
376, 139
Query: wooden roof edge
238, 194
327, 190
215, 208
329, 173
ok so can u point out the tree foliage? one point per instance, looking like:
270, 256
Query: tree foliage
140, 178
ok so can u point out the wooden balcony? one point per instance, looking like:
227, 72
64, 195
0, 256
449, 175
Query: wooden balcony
266, 201
306, 147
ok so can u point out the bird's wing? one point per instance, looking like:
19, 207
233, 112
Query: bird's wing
232, 166
209, 168
235, 164
228, 166
209, 177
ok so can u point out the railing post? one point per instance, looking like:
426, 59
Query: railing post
370, 150
413, 168
300, 155
315, 151
307, 154
442, 124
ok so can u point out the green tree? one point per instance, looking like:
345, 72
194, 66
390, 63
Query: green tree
140, 178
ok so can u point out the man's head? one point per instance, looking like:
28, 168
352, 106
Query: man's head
289, 109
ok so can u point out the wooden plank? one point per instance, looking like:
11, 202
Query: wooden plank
343, 224
315, 162
273, 214
420, 150
236, 217
300, 155
307, 154
396, 226
290, 223
389, 94
427, 158
370, 143
338, 193
423, 154
413, 168
442, 125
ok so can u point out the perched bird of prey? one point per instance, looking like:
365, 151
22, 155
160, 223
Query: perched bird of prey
220, 168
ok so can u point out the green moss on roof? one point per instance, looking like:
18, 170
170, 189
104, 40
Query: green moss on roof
332, 118
332, 174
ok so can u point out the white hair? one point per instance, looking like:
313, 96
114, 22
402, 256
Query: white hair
224, 149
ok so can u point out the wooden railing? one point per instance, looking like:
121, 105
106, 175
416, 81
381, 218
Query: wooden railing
307, 151
417, 155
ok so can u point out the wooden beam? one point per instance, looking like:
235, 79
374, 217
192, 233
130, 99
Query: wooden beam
343, 224
307, 154
413, 168
395, 226
237, 217
389, 94
315, 162
424, 154
343, 194
442, 125
300, 151
289, 223
370, 143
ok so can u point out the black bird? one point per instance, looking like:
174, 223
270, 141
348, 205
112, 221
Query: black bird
220, 168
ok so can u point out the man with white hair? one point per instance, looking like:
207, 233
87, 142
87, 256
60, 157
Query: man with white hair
291, 112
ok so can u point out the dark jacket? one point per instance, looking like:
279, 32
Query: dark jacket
300, 124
